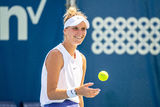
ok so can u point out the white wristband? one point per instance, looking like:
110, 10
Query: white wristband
71, 93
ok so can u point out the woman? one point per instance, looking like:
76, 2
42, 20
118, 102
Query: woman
64, 67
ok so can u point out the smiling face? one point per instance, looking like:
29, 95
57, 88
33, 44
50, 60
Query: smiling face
75, 34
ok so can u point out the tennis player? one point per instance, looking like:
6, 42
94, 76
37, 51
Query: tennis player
64, 67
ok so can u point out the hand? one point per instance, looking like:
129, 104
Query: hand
84, 90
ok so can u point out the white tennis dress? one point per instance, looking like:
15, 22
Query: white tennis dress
70, 75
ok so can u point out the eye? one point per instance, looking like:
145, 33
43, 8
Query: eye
83, 28
75, 28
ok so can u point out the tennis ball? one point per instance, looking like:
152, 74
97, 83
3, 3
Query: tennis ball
103, 75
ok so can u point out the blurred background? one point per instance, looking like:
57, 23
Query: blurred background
123, 39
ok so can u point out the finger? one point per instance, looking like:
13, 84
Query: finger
94, 94
88, 84
93, 89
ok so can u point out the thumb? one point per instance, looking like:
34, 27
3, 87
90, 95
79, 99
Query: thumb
88, 84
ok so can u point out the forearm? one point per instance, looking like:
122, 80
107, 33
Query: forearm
57, 94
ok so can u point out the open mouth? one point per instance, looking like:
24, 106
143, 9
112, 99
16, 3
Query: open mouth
78, 37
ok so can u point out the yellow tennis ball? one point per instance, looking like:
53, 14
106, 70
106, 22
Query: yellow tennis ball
103, 75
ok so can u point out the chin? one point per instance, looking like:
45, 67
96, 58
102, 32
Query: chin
77, 43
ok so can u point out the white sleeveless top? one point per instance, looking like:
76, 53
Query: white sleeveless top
70, 75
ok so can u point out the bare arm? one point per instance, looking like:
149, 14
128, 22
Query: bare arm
54, 64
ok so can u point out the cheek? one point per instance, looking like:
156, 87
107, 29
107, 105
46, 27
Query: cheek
85, 32
70, 32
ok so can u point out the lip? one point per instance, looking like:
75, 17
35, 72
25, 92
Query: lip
78, 37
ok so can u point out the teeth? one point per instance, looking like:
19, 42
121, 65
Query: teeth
78, 37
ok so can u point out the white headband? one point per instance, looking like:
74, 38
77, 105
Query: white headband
75, 20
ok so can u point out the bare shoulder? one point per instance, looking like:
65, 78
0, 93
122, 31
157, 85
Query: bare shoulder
55, 57
55, 54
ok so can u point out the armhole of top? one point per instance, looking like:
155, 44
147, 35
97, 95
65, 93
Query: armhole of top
81, 55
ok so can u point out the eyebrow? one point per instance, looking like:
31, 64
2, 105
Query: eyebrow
78, 27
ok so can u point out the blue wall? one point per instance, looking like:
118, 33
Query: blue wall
21, 60
133, 77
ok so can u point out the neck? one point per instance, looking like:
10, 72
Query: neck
70, 48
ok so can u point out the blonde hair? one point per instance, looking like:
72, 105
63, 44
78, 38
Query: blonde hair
72, 11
